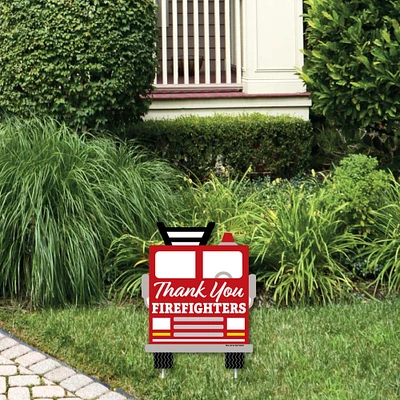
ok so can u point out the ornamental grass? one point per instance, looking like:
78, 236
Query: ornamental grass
63, 199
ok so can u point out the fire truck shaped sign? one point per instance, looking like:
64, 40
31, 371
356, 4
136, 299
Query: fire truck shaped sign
198, 297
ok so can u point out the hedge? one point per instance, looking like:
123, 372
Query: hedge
87, 63
277, 145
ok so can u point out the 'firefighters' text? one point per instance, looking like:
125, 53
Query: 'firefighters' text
198, 308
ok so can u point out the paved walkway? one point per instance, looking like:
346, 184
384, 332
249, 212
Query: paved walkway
29, 374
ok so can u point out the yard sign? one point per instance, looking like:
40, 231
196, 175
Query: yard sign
198, 297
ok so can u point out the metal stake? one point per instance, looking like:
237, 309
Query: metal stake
162, 373
236, 373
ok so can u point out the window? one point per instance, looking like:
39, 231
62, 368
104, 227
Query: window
175, 264
222, 264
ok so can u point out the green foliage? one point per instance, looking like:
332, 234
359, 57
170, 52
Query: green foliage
358, 185
127, 262
64, 200
299, 242
296, 243
330, 145
88, 63
383, 253
227, 202
280, 145
224, 201
351, 64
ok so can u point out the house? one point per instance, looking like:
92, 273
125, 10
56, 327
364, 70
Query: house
229, 56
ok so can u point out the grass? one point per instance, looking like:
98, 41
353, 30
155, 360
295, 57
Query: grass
63, 199
342, 351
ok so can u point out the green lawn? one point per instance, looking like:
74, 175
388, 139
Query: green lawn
346, 351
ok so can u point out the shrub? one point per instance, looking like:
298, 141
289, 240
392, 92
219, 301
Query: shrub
296, 243
358, 185
351, 64
383, 253
127, 261
83, 62
227, 202
64, 200
330, 145
280, 145
299, 243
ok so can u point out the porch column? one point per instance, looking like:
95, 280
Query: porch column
272, 39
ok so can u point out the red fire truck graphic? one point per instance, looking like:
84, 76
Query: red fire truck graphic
198, 297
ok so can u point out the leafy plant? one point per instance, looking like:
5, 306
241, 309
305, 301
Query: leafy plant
358, 184
128, 260
351, 63
330, 145
383, 253
299, 243
87, 63
63, 200
225, 201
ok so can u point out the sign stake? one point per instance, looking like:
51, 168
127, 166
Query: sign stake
162, 373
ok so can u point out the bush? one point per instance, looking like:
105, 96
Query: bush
64, 200
227, 202
299, 243
83, 62
330, 145
351, 64
358, 185
383, 253
296, 243
280, 146
127, 261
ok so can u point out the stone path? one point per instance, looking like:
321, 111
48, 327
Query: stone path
29, 374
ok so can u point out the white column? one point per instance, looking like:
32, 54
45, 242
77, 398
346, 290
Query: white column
238, 41
163, 21
272, 39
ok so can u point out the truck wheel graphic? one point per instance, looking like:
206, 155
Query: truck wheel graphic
234, 360
163, 360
